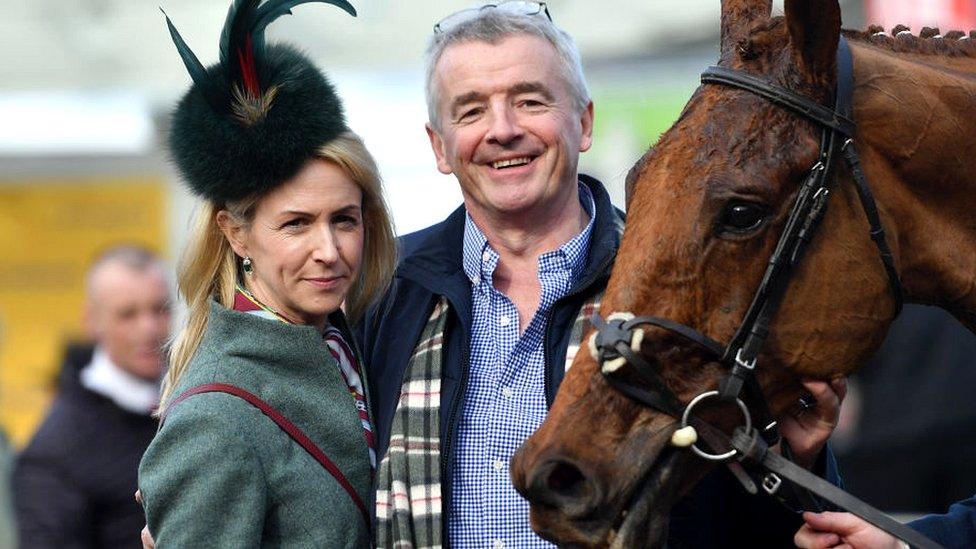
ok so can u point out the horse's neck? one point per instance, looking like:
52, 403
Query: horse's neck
918, 145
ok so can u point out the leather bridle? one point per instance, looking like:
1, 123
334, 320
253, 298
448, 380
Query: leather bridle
617, 341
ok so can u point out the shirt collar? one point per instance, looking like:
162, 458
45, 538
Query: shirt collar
474, 247
244, 302
576, 249
127, 391
479, 259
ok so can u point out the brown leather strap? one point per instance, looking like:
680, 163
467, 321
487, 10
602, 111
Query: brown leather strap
752, 448
287, 426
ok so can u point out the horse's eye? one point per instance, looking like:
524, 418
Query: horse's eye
741, 217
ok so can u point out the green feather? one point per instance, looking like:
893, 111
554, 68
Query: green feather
196, 69
198, 73
240, 20
274, 9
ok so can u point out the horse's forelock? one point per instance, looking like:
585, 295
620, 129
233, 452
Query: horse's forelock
738, 16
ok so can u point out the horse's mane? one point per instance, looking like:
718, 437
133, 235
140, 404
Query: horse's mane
929, 41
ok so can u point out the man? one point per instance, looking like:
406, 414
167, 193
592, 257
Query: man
73, 484
467, 350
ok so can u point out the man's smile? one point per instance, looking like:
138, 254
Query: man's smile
502, 164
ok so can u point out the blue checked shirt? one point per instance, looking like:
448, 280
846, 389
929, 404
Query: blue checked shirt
505, 399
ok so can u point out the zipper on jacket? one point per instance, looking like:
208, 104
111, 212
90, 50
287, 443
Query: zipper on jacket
447, 488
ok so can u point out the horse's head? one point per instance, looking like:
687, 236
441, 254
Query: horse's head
707, 205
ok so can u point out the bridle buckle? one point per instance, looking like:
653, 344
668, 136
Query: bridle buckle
745, 364
771, 483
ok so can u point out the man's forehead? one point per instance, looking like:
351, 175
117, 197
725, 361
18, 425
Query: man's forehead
116, 282
466, 68
458, 52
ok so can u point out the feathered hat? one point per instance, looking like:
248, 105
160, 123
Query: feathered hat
249, 122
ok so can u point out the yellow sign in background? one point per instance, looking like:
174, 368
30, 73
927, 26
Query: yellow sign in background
50, 230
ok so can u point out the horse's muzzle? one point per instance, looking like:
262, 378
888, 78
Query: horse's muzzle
556, 482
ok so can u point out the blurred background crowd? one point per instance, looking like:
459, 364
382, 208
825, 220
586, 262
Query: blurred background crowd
86, 87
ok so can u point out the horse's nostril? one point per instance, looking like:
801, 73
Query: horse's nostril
563, 485
566, 480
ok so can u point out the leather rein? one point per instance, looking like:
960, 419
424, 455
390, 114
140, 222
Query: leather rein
617, 341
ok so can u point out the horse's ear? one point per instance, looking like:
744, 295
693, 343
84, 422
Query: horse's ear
814, 31
739, 15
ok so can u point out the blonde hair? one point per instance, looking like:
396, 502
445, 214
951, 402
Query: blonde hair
209, 267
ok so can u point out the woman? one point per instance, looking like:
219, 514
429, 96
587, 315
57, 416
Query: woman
265, 438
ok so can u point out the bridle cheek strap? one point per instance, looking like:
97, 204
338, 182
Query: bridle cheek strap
617, 342
837, 140
614, 337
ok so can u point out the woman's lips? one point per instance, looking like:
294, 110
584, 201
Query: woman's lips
325, 283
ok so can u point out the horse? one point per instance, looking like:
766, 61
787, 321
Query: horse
706, 206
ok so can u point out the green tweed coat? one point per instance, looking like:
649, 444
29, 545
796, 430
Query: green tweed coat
221, 474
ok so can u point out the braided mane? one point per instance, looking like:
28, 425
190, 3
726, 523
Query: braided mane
929, 41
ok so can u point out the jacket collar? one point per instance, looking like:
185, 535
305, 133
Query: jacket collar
433, 257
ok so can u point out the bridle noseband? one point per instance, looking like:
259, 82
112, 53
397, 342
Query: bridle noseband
616, 341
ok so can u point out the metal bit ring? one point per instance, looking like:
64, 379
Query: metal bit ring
687, 413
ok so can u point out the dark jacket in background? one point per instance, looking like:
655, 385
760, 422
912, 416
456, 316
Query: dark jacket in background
74, 483
718, 512
914, 442
915, 438
954, 530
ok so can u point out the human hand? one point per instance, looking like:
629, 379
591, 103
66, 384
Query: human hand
807, 430
147, 539
841, 531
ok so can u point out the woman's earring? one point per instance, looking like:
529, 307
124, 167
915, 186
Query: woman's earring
246, 265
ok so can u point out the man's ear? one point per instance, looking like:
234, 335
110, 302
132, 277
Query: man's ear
90, 318
437, 144
586, 120
235, 234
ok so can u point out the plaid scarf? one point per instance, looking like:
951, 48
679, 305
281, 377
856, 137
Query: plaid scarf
408, 495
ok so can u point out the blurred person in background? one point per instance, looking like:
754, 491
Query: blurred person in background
74, 481
266, 438
7, 528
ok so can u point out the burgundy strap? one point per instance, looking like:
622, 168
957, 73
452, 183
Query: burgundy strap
287, 426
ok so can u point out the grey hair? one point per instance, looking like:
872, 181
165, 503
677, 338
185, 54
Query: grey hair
134, 257
493, 26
